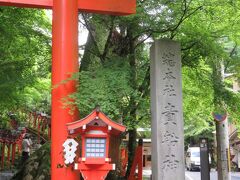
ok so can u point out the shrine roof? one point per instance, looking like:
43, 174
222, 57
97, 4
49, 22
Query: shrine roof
95, 114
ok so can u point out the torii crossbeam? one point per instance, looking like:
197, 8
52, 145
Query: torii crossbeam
113, 7
65, 62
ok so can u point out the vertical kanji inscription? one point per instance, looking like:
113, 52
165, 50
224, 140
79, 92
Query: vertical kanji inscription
166, 110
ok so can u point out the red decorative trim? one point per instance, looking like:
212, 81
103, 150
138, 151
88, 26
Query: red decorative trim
93, 116
45, 4
95, 160
96, 167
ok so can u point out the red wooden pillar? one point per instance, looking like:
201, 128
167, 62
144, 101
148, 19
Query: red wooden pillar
8, 153
137, 162
3, 155
30, 116
64, 63
13, 153
39, 127
35, 120
38, 121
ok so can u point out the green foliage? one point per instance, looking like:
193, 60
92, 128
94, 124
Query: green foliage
25, 55
107, 86
37, 97
197, 99
209, 33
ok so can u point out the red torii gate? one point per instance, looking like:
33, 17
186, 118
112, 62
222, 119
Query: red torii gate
65, 62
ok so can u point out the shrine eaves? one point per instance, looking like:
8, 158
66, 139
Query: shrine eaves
112, 7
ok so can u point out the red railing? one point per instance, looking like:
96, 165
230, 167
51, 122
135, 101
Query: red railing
10, 139
39, 123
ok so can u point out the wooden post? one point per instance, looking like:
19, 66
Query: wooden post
13, 153
3, 155
8, 154
222, 150
137, 162
39, 127
35, 120
64, 65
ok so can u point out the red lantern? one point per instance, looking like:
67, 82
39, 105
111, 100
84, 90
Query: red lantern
96, 131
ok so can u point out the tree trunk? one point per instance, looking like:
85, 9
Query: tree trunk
131, 149
133, 101
86, 60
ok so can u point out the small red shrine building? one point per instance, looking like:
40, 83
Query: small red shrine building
99, 144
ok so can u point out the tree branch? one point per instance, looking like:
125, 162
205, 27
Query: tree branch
142, 41
189, 47
230, 55
184, 16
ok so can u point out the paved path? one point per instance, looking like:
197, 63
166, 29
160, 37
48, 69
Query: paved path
6, 175
213, 175
195, 175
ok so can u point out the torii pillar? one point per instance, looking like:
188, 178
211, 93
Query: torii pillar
65, 63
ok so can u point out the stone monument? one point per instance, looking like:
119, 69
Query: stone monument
166, 111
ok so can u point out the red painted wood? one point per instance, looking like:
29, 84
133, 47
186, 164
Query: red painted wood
113, 7
95, 136
108, 121
92, 116
65, 61
38, 127
124, 161
3, 155
8, 153
80, 123
137, 162
94, 172
107, 145
95, 167
92, 161
13, 153
64, 64
92, 167
45, 4
35, 121
83, 145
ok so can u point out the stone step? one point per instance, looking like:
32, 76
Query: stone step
6, 175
